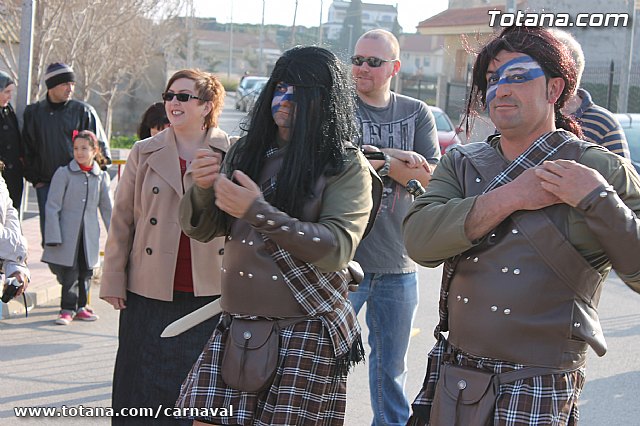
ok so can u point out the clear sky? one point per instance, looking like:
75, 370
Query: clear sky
410, 12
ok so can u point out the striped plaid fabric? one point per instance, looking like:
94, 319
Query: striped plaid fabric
320, 295
537, 401
304, 391
544, 147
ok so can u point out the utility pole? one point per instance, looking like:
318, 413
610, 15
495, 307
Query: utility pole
26, 57
261, 70
24, 70
293, 29
320, 26
230, 42
190, 18
625, 76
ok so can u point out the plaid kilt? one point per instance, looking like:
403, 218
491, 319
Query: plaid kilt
542, 400
306, 389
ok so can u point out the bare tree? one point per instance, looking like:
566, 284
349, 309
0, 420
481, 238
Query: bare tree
108, 42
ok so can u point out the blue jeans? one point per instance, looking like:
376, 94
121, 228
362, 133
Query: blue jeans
391, 300
42, 194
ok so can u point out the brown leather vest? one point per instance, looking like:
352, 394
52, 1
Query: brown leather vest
252, 283
524, 294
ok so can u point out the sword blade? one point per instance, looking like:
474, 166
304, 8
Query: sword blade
189, 321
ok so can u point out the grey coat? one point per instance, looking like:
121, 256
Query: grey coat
73, 202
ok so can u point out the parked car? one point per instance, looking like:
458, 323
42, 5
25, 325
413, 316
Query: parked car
447, 132
246, 86
248, 101
631, 125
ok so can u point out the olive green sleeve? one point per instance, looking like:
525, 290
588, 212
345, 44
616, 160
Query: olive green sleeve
433, 229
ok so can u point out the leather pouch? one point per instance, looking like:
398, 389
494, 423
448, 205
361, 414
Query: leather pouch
250, 355
464, 397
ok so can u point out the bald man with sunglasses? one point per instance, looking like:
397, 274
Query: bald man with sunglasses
404, 130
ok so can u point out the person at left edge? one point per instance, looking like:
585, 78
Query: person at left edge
10, 146
153, 273
48, 129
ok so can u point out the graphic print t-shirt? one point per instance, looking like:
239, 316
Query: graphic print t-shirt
405, 124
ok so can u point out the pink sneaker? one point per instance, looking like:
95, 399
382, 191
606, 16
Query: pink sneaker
85, 314
64, 318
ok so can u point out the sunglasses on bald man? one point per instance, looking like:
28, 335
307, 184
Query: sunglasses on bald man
372, 61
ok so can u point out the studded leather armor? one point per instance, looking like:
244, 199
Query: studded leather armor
509, 299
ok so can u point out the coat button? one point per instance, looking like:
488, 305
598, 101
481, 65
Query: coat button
221, 252
148, 250
155, 189
153, 221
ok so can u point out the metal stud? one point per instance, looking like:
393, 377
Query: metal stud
230, 237
603, 194
576, 324
270, 222
244, 241
514, 231
250, 243
285, 228
516, 271
478, 180
300, 233
475, 260
459, 297
316, 239
260, 216
465, 300
246, 335
274, 277
462, 384
241, 274
250, 275
505, 270
594, 332
494, 308
507, 311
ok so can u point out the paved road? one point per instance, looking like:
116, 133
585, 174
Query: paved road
43, 364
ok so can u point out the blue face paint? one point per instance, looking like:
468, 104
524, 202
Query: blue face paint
518, 70
283, 92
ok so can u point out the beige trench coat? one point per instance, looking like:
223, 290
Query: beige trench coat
142, 244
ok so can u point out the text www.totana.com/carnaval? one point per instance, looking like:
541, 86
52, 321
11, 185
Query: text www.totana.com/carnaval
82, 411
530, 19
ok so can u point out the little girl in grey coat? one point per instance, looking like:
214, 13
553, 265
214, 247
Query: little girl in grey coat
72, 231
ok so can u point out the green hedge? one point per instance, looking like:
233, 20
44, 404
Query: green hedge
123, 141
230, 85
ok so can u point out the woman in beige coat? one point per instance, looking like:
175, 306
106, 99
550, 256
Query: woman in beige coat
152, 272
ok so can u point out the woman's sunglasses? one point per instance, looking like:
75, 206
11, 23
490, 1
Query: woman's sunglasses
372, 61
182, 97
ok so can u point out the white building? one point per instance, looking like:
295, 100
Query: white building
373, 16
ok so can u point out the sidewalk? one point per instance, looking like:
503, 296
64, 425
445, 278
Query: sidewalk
43, 286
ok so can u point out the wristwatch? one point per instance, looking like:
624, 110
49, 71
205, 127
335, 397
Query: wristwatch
384, 170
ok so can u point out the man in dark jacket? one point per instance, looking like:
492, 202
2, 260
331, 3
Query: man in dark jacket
49, 128
10, 147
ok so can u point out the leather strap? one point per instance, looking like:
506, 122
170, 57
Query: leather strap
528, 372
558, 253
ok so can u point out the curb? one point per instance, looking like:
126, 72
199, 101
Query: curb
44, 293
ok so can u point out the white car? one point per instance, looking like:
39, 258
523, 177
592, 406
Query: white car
246, 87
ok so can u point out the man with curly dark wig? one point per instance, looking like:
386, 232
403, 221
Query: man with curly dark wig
528, 225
